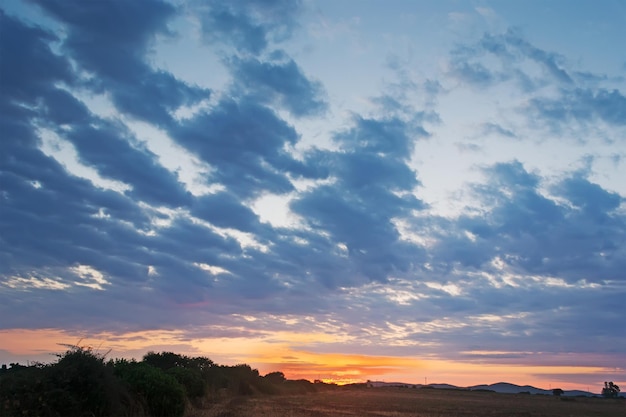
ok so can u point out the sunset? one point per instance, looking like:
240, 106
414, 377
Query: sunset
417, 192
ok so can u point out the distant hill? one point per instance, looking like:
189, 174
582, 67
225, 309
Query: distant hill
500, 387
445, 386
379, 384
507, 388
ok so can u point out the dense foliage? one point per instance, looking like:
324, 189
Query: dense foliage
79, 383
83, 383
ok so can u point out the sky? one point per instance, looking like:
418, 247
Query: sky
403, 191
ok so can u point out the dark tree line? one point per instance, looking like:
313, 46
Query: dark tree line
84, 383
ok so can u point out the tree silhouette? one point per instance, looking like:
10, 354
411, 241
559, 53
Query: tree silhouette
610, 390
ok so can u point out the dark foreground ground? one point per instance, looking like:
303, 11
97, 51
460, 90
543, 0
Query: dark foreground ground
397, 402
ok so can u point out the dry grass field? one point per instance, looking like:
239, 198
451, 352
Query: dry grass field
397, 402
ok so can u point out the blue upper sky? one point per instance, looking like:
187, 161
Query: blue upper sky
419, 179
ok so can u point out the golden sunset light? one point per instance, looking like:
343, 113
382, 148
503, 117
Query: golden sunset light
275, 353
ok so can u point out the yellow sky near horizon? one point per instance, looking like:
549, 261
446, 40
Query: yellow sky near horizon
284, 352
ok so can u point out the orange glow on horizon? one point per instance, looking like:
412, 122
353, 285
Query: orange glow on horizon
284, 352
333, 367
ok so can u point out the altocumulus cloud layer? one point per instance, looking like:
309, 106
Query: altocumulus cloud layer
134, 196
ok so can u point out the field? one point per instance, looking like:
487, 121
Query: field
398, 402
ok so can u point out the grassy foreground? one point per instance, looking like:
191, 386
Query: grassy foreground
397, 402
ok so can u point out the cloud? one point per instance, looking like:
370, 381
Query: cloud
589, 197
472, 73
33, 64
494, 128
69, 212
113, 151
558, 94
370, 174
245, 142
279, 82
116, 59
573, 235
498, 58
225, 210
551, 62
249, 26
581, 105
102, 144
391, 137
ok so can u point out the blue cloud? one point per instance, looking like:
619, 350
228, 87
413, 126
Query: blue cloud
59, 222
590, 197
108, 147
118, 57
245, 142
472, 64
279, 82
538, 235
392, 137
550, 61
583, 105
464, 66
494, 128
358, 208
586, 100
249, 26
225, 210
33, 64
102, 144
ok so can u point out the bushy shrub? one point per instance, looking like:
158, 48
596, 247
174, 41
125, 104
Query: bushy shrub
162, 394
275, 377
187, 371
166, 360
240, 378
78, 384
190, 379
83, 385
21, 390
299, 386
